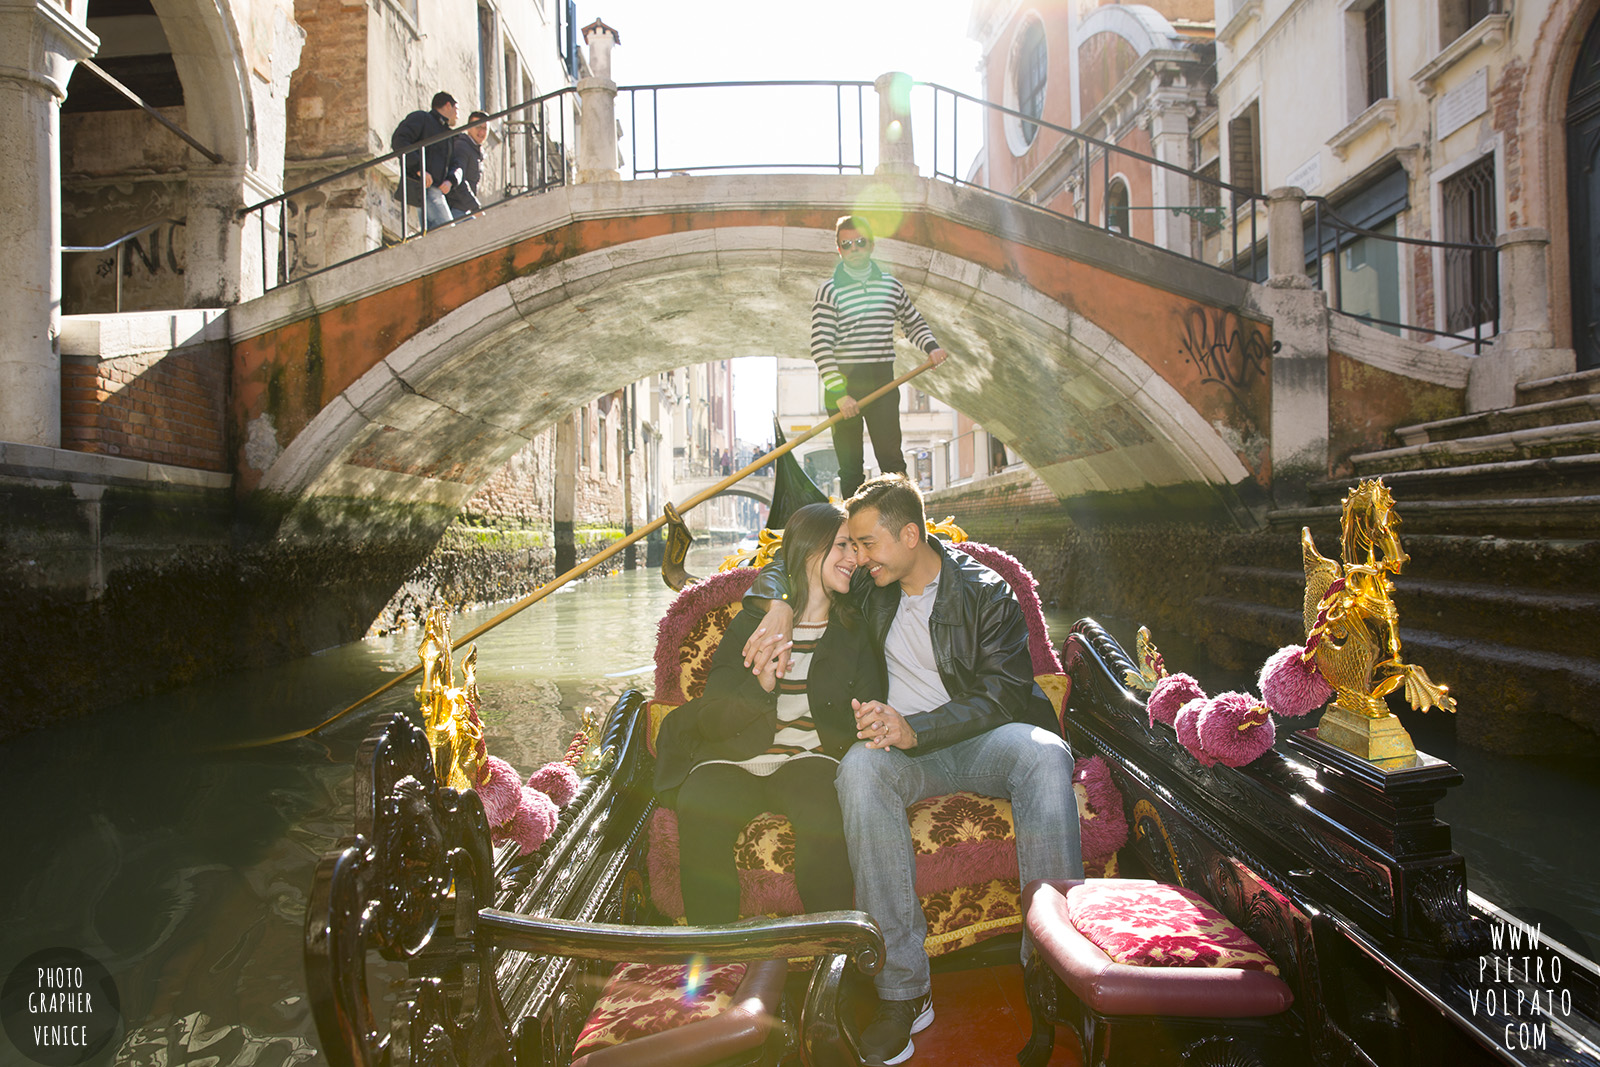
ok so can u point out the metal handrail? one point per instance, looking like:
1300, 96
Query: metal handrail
1239, 197
839, 164
120, 244
1321, 207
281, 200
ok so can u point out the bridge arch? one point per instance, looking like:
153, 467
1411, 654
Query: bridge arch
1098, 380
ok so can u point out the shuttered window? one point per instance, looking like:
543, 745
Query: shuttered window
1377, 56
1244, 150
1469, 216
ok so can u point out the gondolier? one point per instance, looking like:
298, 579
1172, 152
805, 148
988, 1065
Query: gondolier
852, 341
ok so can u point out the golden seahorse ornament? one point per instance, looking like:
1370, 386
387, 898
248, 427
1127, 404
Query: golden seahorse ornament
450, 713
1352, 625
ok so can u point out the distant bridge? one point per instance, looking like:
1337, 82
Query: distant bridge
756, 487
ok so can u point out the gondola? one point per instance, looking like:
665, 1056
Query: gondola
1330, 864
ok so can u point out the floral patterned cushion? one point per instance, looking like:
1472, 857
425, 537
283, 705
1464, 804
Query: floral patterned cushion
1149, 924
642, 999
966, 914
959, 818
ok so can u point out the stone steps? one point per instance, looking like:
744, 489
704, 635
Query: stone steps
1560, 622
1511, 698
1559, 387
1556, 517
1534, 442
1566, 410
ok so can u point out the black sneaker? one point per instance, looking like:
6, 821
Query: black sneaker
887, 1038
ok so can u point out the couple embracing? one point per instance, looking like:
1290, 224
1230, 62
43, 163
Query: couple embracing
873, 666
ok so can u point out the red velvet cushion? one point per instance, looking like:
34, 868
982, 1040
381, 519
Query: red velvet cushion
642, 998
1148, 924
1112, 988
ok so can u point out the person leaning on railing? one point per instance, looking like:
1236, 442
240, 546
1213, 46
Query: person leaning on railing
466, 166
427, 171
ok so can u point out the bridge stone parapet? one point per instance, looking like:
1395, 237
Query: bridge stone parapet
1109, 367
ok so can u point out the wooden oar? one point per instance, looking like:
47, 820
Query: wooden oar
605, 554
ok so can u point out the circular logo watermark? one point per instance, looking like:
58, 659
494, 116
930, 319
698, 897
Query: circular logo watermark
60, 1007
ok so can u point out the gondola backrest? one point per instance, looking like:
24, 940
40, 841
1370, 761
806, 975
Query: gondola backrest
695, 622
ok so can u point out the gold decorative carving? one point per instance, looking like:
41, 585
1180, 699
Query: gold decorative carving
1352, 631
450, 713
1152, 668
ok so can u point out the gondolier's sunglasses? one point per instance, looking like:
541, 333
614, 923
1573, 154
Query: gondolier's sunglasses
859, 242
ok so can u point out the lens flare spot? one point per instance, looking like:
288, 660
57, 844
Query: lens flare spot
883, 209
894, 131
694, 977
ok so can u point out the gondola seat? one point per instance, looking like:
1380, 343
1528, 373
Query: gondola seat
664, 1014
1154, 964
471, 983
966, 848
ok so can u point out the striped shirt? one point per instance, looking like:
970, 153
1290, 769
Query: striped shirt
796, 737
852, 325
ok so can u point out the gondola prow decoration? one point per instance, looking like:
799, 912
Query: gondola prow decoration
1352, 632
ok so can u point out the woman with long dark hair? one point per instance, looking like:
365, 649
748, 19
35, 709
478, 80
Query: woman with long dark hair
753, 743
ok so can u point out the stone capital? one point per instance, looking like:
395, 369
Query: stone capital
40, 43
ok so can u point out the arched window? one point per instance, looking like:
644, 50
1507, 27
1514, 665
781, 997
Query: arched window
1031, 67
1117, 206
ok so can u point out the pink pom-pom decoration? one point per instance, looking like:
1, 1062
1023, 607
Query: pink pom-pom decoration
557, 780
1103, 827
1170, 694
500, 788
531, 824
1290, 685
1187, 723
1236, 728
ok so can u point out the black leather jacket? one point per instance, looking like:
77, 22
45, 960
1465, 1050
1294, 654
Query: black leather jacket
980, 642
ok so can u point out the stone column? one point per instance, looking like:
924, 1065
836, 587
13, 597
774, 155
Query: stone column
1299, 316
566, 502
1169, 142
40, 43
597, 94
894, 124
1522, 351
1286, 239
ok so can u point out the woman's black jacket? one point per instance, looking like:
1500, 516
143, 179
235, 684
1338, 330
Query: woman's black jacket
735, 719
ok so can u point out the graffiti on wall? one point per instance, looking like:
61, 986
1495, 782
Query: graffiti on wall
156, 251
1225, 348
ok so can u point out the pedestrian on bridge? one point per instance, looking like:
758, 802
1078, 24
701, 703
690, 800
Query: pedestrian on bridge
466, 167
852, 341
427, 171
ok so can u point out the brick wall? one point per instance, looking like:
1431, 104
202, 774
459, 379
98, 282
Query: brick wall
165, 407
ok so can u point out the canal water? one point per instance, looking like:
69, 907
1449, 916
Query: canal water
157, 839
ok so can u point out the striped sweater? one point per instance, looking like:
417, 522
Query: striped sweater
796, 735
852, 326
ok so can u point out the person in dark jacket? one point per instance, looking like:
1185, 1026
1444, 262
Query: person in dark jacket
753, 742
427, 171
466, 167
963, 712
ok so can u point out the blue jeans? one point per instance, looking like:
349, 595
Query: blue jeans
437, 209
1029, 766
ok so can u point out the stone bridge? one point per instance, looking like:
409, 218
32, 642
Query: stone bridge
1112, 368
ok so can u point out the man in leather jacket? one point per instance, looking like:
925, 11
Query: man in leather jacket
963, 713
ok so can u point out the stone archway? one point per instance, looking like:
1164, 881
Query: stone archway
432, 419
193, 62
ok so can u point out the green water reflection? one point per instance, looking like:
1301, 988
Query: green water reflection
140, 836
